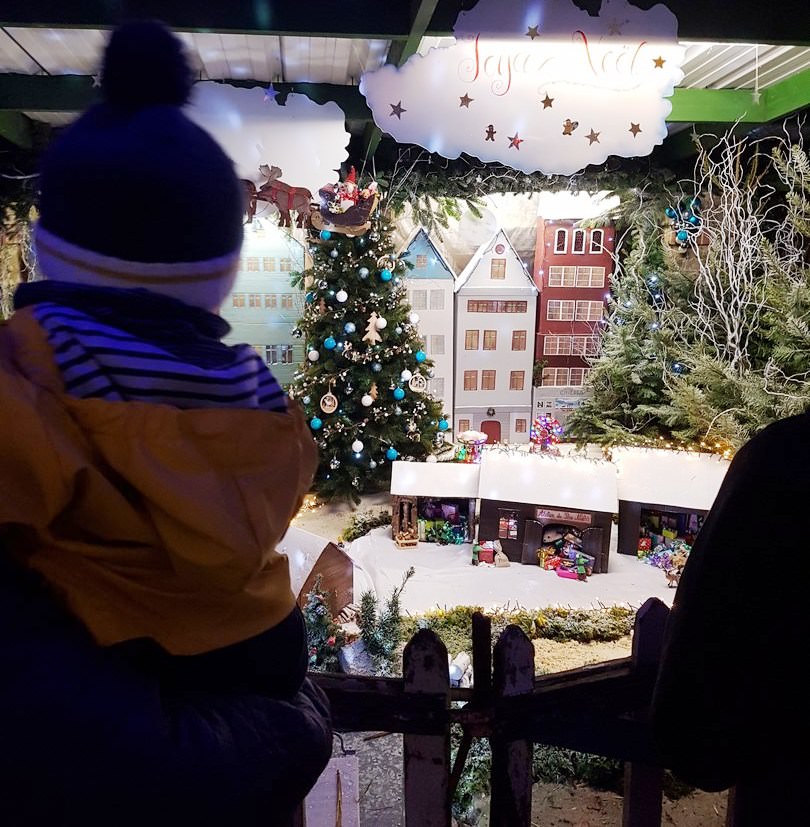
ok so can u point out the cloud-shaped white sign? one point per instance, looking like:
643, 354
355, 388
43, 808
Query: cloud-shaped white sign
306, 140
537, 84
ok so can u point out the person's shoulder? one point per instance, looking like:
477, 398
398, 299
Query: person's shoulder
787, 438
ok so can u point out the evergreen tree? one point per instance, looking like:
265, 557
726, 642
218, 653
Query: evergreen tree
363, 386
325, 638
705, 346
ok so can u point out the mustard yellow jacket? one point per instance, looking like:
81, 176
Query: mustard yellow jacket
150, 520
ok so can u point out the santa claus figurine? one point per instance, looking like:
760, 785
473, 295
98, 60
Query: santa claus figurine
348, 192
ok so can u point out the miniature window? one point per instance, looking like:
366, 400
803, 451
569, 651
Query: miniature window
285, 265
584, 345
238, 299
560, 311
520, 426
437, 299
487, 380
463, 425
471, 340
269, 263
597, 241
437, 345
436, 387
421, 262
254, 300
252, 263
470, 380
419, 299
560, 241
590, 276
508, 524
497, 268
518, 340
557, 346
578, 376
555, 377
490, 340
270, 300
578, 242
516, 379
559, 276
287, 301
511, 307
589, 311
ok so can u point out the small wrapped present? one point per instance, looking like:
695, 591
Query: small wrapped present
644, 544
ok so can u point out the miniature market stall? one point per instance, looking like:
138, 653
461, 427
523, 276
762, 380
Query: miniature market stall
433, 502
548, 510
664, 496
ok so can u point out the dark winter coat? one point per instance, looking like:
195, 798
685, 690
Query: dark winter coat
731, 702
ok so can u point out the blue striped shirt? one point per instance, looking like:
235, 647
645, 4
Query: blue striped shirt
170, 356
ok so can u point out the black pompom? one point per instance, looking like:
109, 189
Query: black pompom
145, 65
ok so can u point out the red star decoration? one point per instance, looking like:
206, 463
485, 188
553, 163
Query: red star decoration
465, 100
659, 62
515, 141
396, 109
634, 128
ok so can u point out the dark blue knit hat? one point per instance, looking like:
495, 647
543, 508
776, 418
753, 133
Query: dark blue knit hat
134, 194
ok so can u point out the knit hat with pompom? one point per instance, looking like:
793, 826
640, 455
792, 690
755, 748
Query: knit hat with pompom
133, 193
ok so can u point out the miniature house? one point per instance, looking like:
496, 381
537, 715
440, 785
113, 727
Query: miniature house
264, 306
430, 285
529, 501
496, 304
572, 268
430, 500
664, 495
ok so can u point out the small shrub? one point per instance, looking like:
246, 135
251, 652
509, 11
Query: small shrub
381, 629
362, 522
324, 637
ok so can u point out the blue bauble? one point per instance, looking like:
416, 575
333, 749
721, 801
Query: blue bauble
326, 235
671, 213
376, 367
349, 327
329, 343
399, 394
363, 272
682, 236
443, 424
391, 454
694, 220
310, 297
385, 275
315, 423
420, 356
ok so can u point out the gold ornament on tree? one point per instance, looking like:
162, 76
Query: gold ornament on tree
329, 402
372, 336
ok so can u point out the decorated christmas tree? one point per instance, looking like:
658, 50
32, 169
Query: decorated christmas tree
364, 383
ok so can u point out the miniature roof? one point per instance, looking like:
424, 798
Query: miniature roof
485, 248
685, 479
420, 243
435, 479
565, 482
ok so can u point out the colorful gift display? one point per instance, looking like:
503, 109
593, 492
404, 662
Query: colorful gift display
472, 442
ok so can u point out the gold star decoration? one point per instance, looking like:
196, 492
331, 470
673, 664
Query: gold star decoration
634, 128
515, 141
465, 100
532, 32
659, 62
396, 109
547, 101
569, 126
593, 137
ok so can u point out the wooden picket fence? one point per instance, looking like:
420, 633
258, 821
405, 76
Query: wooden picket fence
599, 709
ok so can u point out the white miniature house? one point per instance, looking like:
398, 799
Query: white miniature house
496, 304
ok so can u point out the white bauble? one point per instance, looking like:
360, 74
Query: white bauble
341, 296
381, 323
357, 446
405, 375
313, 355
414, 318
366, 400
